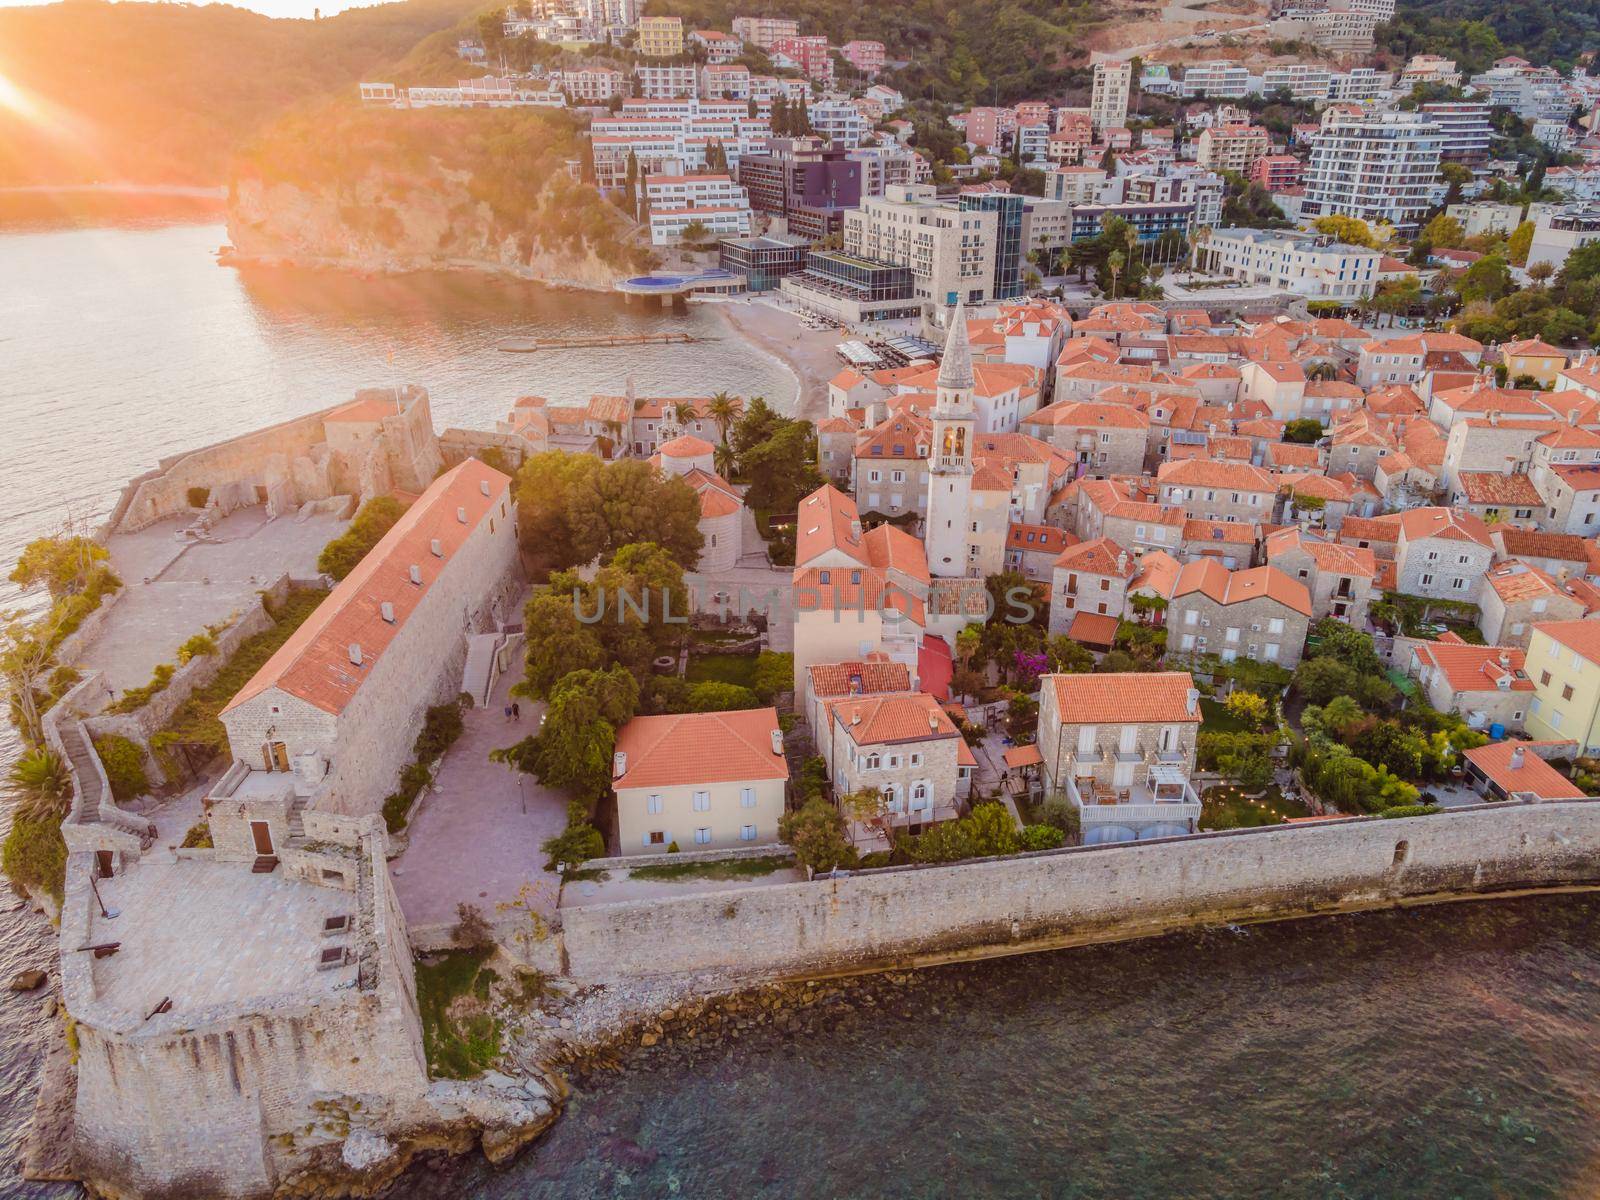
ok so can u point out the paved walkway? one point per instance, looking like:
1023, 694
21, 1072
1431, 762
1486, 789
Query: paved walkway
476, 837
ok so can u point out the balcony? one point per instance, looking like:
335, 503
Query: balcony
1160, 794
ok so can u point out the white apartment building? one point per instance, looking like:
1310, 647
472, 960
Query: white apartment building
840, 122
671, 137
1303, 81
1359, 85
764, 31
1108, 104
1558, 232
1304, 264
1033, 142
951, 252
678, 201
1532, 93
1483, 216
1074, 185
594, 84
1220, 80
665, 81
1378, 166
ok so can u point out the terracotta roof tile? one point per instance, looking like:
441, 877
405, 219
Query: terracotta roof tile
1136, 697
1534, 775
683, 749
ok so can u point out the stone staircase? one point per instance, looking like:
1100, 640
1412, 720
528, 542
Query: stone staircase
297, 820
92, 801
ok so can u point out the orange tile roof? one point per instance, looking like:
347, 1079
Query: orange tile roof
1093, 629
1290, 455
1100, 557
873, 593
1212, 579
1371, 529
1529, 543
683, 749
686, 446
828, 520
1087, 414
890, 719
1043, 538
1200, 473
1468, 668
846, 379
1534, 775
890, 548
1492, 487
1444, 523
1324, 487
365, 409
1515, 581
905, 435
864, 677
1158, 573
1134, 697
1532, 348
1237, 533
1332, 557
314, 664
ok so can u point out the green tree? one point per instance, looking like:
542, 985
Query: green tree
724, 410
556, 643
545, 485
1519, 243
375, 518
1487, 279
627, 502
1351, 230
774, 674
695, 232
781, 470
1305, 431
816, 833
1445, 232
712, 695
64, 566
573, 748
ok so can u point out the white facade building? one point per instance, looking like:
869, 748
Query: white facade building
1379, 167
1304, 264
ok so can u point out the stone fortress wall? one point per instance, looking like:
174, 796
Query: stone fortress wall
902, 915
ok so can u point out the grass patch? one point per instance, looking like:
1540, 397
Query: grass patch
719, 637
1226, 807
196, 721
737, 669
587, 875
737, 868
459, 1035
1216, 718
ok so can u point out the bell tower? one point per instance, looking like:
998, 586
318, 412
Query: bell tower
950, 457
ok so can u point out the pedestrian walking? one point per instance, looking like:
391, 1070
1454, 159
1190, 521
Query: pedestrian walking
508, 713
516, 711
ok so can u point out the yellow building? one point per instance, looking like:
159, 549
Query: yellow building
1535, 359
661, 37
1564, 664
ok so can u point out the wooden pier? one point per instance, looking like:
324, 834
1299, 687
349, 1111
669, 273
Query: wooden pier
530, 345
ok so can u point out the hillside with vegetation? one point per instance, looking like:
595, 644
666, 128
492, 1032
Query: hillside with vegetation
168, 93
1476, 32
381, 188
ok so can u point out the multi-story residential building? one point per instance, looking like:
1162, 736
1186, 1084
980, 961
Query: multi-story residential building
1108, 102
1074, 185
660, 37
1260, 613
1558, 232
1104, 439
1220, 80
1379, 167
1219, 491
666, 81
1441, 554
764, 32
1575, 183
1277, 171
1339, 578
1176, 184
1564, 663
1430, 69
1359, 85
1518, 596
671, 137
1093, 578
949, 250
718, 47
1303, 81
865, 56
725, 81
840, 122
810, 54
1486, 685
884, 166
1120, 749
676, 202
1232, 147
1305, 264
1404, 359
1033, 142
699, 781
904, 747
594, 85
1532, 93
1465, 131
1484, 216
1149, 221
889, 474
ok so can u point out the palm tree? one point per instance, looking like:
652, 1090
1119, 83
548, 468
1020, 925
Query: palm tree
1114, 263
722, 458
722, 408
683, 412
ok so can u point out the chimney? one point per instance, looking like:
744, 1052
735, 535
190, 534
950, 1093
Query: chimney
933, 721
855, 716
777, 742
1517, 756
355, 653
437, 547
483, 486
619, 764
1194, 700
855, 530
1572, 415
1122, 562
387, 611
1494, 417
416, 574
461, 515
1505, 659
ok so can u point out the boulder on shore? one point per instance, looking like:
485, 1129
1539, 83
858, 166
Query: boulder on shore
27, 981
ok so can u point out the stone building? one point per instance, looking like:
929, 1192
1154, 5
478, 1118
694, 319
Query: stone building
1091, 577
1339, 578
904, 747
1260, 614
331, 716
699, 781
1219, 491
721, 524
871, 675
1517, 596
1486, 685
1120, 749
1103, 439
1441, 554
890, 465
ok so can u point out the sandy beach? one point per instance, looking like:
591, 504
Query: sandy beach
809, 353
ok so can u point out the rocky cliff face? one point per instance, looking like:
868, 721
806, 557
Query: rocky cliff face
382, 224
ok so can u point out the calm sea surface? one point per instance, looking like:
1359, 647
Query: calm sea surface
1443, 1053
